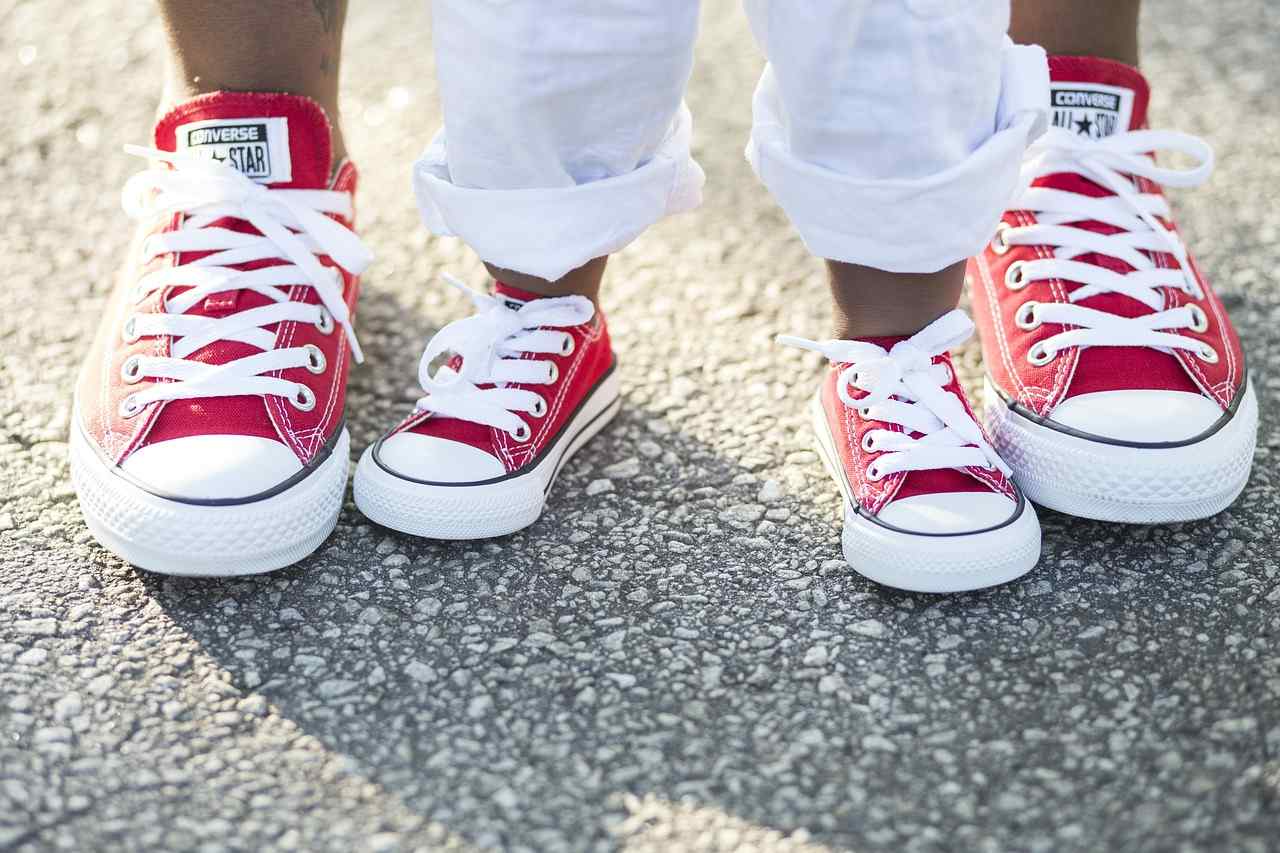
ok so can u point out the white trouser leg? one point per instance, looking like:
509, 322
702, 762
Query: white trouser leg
565, 131
891, 131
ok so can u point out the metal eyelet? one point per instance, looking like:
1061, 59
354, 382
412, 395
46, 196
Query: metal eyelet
1199, 319
316, 362
569, 345
130, 331
539, 408
1025, 318
324, 321
130, 406
1207, 354
1039, 356
1015, 277
865, 413
131, 370
873, 473
522, 433
869, 442
1000, 242
303, 399
555, 373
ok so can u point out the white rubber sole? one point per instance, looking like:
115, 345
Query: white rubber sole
929, 563
484, 510
175, 538
1134, 485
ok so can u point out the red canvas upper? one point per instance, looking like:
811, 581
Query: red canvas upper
579, 372
1101, 368
101, 388
848, 428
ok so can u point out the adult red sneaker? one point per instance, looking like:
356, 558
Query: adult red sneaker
928, 504
531, 379
1116, 385
208, 436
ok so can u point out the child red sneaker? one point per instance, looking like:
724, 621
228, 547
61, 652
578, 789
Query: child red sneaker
928, 505
530, 381
1116, 385
208, 434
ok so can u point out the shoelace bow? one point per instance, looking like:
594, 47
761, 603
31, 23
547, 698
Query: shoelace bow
1111, 162
904, 387
490, 345
292, 226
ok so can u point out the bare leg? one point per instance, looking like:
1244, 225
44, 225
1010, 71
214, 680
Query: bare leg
585, 280
868, 302
257, 46
1105, 28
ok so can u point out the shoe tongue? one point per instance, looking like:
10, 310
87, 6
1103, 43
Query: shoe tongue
275, 139
514, 296
1096, 97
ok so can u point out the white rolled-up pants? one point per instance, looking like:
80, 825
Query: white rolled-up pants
890, 131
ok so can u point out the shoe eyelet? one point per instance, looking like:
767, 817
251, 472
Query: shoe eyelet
1039, 356
303, 399
539, 408
1025, 317
873, 473
1000, 242
130, 406
1199, 319
865, 413
316, 362
1015, 277
554, 374
521, 433
324, 321
1207, 354
869, 442
131, 370
569, 345
130, 331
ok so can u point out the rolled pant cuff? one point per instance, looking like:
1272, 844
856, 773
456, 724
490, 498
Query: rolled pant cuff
549, 232
914, 225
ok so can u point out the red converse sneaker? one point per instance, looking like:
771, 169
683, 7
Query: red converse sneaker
208, 434
1116, 386
928, 505
531, 380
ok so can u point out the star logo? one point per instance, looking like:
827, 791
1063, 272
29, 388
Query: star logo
1084, 126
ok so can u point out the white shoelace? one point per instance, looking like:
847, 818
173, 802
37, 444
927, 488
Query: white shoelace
906, 388
491, 344
1107, 162
293, 227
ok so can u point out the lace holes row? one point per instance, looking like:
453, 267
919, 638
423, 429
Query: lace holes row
1039, 356
1015, 277
303, 399
1000, 242
316, 362
869, 442
553, 375
131, 370
522, 432
324, 321
1199, 319
1026, 318
539, 408
130, 331
568, 346
1207, 354
874, 474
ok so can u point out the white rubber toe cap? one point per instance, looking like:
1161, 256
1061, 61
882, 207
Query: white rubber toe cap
1140, 416
949, 512
437, 460
212, 467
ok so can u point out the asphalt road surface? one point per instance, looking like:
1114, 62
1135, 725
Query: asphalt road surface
675, 657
